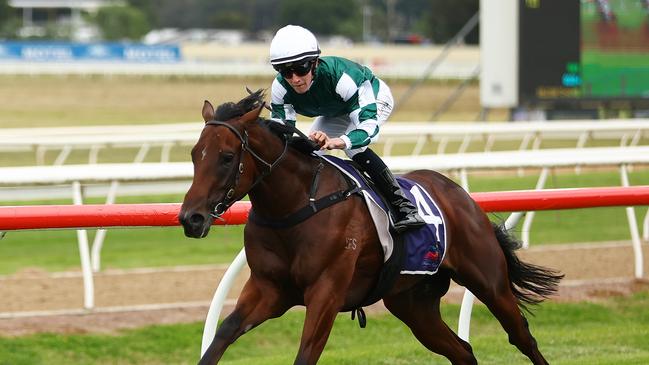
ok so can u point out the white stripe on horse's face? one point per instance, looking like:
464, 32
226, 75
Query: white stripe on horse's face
203, 153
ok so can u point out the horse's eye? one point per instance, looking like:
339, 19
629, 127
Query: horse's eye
227, 158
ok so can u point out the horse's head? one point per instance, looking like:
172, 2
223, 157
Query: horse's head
219, 158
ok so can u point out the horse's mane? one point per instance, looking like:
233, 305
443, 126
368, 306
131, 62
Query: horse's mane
230, 110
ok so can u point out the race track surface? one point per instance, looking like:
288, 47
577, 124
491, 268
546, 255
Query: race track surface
34, 301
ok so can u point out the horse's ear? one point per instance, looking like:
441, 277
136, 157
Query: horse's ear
208, 111
252, 115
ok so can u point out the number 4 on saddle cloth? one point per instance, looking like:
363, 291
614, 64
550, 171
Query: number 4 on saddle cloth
424, 246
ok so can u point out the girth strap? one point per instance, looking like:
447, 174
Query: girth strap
312, 207
305, 212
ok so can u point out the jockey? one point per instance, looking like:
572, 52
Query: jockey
349, 103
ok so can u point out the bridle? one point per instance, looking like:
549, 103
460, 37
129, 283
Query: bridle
227, 201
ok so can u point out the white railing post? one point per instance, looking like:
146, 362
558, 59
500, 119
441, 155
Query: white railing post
464, 179
490, 143
142, 152
466, 141
63, 155
82, 239
40, 155
419, 146
100, 236
213, 314
633, 227
529, 217
441, 147
464, 322
93, 154
513, 219
165, 152
581, 142
645, 227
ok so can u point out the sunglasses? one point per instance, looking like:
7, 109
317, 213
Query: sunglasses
300, 69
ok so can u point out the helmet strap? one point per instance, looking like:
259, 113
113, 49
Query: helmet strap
314, 65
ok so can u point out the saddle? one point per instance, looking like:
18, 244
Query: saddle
425, 246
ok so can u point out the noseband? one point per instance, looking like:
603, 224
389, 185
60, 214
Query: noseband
228, 199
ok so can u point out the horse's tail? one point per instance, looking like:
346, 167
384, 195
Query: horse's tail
531, 284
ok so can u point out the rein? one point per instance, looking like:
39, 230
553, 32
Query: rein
229, 199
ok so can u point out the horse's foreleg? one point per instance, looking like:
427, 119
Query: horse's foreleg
252, 309
322, 305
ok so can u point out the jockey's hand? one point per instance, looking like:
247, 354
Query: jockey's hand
320, 138
325, 142
335, 144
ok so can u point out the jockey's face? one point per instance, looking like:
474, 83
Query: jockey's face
300, 84
299, 76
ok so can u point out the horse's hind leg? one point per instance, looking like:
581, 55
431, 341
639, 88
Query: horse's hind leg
259, 301
487, 279
504, 306
419, 310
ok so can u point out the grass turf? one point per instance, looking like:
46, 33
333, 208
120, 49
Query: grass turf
611, 332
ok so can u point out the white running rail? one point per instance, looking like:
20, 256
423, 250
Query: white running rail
418, 135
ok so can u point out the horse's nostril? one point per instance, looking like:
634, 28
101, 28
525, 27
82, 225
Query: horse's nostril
196, 219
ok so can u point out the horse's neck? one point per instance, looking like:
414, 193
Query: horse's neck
282, 191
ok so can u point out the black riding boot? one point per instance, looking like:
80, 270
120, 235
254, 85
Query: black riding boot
406, 213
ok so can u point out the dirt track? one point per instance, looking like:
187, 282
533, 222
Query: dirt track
132, 298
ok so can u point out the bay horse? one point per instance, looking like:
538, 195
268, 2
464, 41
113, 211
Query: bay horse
311, 262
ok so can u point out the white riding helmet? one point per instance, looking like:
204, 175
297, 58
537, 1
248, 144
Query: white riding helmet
293, 43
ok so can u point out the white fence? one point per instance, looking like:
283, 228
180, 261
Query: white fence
527, 135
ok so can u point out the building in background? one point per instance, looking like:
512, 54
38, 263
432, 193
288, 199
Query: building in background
64, 16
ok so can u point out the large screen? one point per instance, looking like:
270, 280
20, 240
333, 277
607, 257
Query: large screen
583, 50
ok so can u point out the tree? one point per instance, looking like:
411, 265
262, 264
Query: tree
435, 19
252, 15
9, 22
329, 17
5, 11
446, 18
148, 8
121, 22
188, 13
227, 14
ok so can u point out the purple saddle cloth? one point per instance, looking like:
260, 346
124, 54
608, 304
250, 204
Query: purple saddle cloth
425, 246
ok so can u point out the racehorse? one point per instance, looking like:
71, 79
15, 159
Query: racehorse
312, 263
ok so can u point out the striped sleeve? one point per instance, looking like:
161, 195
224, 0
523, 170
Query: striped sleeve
363, 114
280, 110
